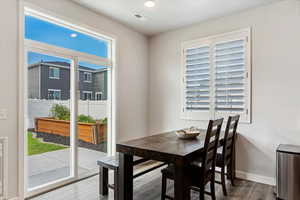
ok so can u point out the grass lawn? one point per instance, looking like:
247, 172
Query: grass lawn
35, 146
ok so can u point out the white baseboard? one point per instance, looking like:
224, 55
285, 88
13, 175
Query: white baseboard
256, 178
14, 198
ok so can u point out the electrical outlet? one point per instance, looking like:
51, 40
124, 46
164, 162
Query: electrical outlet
3, 114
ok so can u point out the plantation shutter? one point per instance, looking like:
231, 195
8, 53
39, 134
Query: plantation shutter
230, 75
197, 79
217, 77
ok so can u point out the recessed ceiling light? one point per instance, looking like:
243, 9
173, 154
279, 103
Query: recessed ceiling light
149, 3
73, 35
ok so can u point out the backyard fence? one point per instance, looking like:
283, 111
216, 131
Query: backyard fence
42, 108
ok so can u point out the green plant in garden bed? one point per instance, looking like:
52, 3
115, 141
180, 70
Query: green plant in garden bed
35, 146
103, 121
60, 112
86, 119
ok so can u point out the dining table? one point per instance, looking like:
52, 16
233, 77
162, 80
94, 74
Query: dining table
163, 147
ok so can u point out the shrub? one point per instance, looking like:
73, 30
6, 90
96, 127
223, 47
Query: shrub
60, 112
103, 121
86, 119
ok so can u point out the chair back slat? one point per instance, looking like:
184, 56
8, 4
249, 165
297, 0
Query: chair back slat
229, 138
211, 145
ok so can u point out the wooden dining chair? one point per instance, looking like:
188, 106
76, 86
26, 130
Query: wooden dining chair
224, 158
201, 170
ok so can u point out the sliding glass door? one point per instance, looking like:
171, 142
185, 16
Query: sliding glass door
68, 104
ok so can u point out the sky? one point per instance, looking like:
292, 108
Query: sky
42, 31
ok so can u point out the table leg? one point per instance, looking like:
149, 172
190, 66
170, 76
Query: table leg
103, 181
181, 182
116, 183
125, 183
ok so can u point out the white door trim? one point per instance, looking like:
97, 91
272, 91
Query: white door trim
112, 110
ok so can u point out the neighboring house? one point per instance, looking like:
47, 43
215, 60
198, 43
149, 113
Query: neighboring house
51, 80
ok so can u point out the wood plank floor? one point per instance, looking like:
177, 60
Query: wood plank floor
148, 187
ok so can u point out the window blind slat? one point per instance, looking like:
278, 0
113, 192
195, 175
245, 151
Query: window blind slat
197, 57
197, 62
204, 49
224, 53
198, 102
228, 57
196, 66
198, 97
196, 88
198, 72
194, 108
231, 109
230, 44
219, 79
241, 65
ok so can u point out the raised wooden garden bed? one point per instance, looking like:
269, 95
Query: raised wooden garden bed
94, 133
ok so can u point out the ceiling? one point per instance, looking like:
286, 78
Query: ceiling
167, 14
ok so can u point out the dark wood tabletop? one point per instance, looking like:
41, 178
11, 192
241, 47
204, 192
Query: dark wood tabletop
164, 143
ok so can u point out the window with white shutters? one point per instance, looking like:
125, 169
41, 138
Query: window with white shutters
217, 77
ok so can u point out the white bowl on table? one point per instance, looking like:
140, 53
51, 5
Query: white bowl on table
188, 133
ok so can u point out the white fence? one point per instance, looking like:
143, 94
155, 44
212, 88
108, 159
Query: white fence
41, 108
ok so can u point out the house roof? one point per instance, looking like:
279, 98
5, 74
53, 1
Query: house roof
65, 65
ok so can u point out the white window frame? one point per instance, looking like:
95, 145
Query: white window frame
89, 74
96, 96
246, 117
42, 48
87, 92
54, 90
54, 77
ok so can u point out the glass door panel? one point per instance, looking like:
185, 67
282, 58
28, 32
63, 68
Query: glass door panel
48, 119
92, 131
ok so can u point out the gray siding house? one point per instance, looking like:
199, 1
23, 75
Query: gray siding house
51, 80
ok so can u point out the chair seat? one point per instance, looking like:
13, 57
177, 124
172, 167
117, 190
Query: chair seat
194, 166
194, 171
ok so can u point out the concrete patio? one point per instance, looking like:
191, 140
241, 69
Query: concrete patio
47, 167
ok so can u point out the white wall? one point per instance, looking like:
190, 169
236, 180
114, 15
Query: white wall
276, 79
132, 73
8, 84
